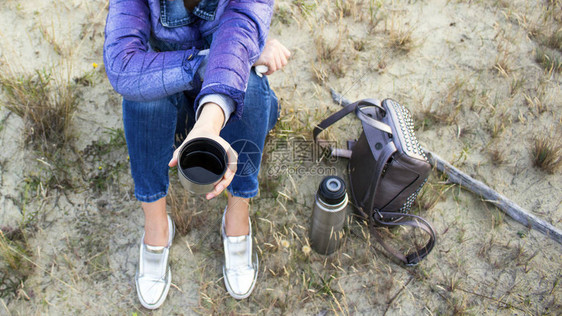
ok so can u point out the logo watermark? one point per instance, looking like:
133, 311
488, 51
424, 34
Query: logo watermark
293, 157
299, 151
249, 155
299, 157
301, 170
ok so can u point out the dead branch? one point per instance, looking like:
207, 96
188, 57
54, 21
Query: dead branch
507, 206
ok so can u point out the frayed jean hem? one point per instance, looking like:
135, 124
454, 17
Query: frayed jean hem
245, 195
151, 198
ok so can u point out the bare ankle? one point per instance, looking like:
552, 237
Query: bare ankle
156, 236
236, 218
156, 228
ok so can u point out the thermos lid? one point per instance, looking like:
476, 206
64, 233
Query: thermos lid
332, 190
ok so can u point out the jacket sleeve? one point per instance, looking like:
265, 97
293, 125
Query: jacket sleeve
237, 44
135, 71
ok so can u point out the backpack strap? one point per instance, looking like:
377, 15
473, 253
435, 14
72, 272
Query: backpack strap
414, 257
338, 152
368, 119
333, 118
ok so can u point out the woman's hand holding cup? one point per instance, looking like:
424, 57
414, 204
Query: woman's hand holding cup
208, 126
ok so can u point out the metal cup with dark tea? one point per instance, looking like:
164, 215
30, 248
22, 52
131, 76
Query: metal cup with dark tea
202, 163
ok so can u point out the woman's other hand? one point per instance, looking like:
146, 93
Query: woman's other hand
209, 125
275, 56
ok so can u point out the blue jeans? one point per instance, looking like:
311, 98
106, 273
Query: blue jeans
154, 129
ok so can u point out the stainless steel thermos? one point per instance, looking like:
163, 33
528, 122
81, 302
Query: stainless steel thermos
328, 215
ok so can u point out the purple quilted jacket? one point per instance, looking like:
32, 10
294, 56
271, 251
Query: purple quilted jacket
238, 29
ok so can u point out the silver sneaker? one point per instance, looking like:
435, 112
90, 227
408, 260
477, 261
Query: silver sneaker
240, 268
153, 277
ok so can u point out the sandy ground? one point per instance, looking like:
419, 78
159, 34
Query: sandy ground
466, 70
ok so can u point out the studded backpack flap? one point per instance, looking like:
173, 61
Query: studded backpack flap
387, 169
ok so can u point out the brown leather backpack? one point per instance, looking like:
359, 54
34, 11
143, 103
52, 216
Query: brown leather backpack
387, 169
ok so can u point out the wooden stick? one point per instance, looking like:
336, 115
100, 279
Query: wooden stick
507, 206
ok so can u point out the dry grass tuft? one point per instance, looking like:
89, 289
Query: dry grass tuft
359, 45
50, 37
348, 8
554, 40
400, 37
333, 54
319, 73
546, 154
15, 265
283, 14
496, 125
503, 63
430, 195
401, 40
516, 84
497, 156
536, 103
45, 105
446, 106
548, 59
375, 14
184, 211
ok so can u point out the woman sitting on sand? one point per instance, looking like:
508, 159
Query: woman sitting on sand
173, 91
